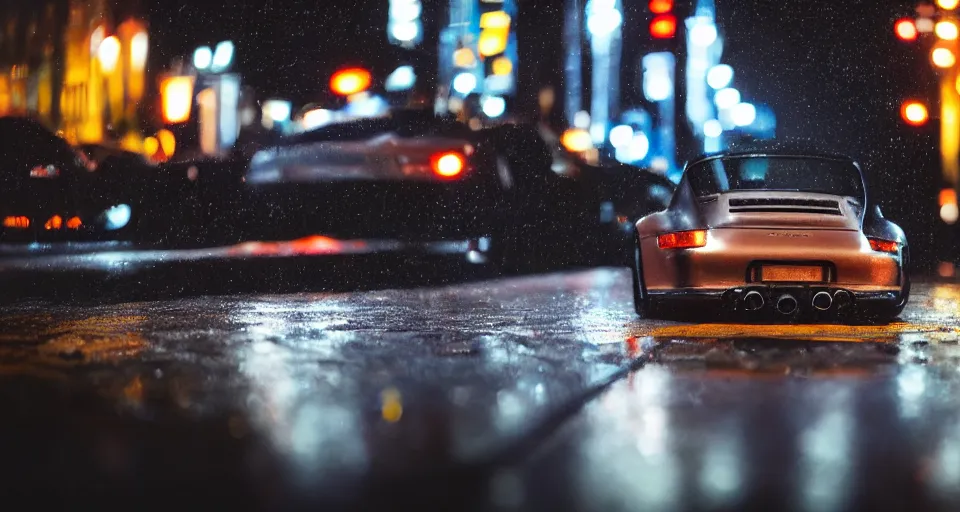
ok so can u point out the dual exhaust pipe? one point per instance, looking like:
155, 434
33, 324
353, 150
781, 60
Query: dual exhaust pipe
787, 304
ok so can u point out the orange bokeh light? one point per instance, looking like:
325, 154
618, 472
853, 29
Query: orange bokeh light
55, 222
20, 222
660, 6
448, 165
948, 196
177, 98
906, 29
914, 113
663, 26
347, 82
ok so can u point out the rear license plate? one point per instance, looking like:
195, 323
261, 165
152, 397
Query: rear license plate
791, 273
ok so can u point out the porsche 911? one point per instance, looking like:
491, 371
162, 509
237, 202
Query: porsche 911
777, 232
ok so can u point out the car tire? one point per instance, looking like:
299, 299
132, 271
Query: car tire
890, 312
642, 304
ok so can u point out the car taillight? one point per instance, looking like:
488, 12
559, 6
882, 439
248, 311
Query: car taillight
881, 245
19, 222
74, 223
448, 165
55, 222
683, 239
48, 171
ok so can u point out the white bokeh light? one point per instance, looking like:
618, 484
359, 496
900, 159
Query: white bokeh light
202, 57
494, 106
949, 213
405, 31
465, 83
639, 146
703, 34
405, 10
726, 98
744, 114
621, 136
720, 76
712, 128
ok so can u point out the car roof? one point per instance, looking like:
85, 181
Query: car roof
777, 149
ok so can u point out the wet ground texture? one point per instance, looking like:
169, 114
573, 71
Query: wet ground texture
528, 393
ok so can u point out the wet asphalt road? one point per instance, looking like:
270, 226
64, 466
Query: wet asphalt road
525, 393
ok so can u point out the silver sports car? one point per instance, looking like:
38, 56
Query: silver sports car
773, 231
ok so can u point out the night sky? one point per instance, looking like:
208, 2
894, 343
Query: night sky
832, 71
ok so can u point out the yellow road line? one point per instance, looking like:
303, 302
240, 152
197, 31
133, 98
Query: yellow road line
821, 332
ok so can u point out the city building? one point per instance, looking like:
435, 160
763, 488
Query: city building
79, 67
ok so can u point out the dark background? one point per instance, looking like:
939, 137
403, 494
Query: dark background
833, 72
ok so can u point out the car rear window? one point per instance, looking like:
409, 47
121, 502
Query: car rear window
776, 173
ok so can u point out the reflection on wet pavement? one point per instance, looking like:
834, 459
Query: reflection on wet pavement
324, 398
774, 417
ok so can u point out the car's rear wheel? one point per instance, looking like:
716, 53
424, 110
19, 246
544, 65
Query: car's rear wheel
643, 305
889, 312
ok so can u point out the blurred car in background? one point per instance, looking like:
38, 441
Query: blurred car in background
413, 181
583, 216
47, 192
98, 154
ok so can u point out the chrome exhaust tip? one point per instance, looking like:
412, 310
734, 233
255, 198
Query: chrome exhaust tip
753, 301
822, 301
842, 298
786, 304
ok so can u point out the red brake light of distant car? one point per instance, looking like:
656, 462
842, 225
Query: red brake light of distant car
19, 222
55, 222
448, 165
884, 245
683, 239
47, 171
74, 223
663, 26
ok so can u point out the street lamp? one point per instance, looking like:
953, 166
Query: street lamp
202, 58
109, 54
946, 30
906, 29
222, 57
139, 45
914, 113
348, 82
943, 58
177, 98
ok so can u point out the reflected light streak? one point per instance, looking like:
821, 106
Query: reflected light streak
315, 432
950, 131
629, 455
945, 477
721, 476
911, 385
825, 452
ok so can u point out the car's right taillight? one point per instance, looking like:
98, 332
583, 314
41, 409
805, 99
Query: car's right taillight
881, 245
683, 239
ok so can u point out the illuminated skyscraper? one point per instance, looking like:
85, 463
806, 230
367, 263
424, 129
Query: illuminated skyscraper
478, 57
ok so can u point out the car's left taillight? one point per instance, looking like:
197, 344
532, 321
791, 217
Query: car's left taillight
683, 239
448, 164
443, 165
881, 245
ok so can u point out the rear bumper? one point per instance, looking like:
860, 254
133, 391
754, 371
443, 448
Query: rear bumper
841, 298
731, 255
